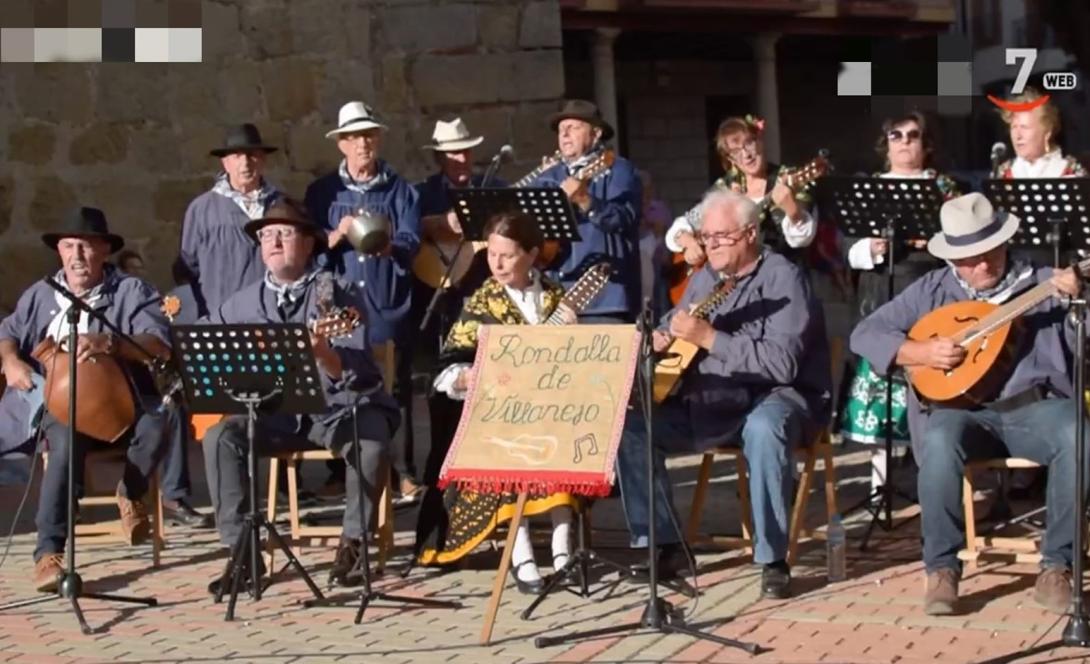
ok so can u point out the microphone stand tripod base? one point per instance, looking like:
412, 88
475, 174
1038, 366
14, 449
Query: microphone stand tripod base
1077, 632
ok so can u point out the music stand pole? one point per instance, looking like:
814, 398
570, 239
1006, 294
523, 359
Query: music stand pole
363, 562
659, 615
69, 582
248, 542
1077, 630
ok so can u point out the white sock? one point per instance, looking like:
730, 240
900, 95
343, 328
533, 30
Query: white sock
561, 536
878, 468
524, 553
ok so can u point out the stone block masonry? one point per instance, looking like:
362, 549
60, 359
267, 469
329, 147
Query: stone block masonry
134, 139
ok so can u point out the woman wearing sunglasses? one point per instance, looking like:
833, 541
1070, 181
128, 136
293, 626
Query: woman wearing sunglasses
906, 147
740, 146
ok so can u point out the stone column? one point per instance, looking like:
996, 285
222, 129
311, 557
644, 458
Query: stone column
605, 76
768, 98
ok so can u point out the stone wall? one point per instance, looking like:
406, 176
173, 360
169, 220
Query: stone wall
133, 139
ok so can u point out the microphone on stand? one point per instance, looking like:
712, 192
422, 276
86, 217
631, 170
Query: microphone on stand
999, 153
506, 154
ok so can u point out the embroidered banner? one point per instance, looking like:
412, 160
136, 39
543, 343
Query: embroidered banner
545, 409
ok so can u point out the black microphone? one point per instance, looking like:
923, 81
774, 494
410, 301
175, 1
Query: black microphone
999, 153
505, 154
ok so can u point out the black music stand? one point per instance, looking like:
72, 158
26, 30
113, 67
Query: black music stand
1053, 211
550, 206
362, 567
243, 369
893, 209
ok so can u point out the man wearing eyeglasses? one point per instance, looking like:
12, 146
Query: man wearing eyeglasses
761, 381
295, 290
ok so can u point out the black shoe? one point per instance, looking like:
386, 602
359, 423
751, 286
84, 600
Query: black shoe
672, 562
776, 581
527, 587
344, 572
245, 583
181, 513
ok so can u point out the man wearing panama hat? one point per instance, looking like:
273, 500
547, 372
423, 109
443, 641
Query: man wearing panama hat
608, 210
1032, 416
295, 290
84, 243
214, 249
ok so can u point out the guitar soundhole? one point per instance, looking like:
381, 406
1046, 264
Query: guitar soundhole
966, 319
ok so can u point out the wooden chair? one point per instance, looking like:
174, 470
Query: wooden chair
384, 357
821, 447
1021, 549
106, 530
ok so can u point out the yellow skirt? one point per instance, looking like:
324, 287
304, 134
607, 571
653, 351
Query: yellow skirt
475, 516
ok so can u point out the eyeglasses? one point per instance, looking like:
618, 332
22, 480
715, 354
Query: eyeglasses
729, 239
270, 234
896, 135
750, 146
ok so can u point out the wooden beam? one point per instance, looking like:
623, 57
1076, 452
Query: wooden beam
717, 22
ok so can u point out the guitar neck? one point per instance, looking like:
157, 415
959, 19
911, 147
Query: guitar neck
1012, 310
532, 175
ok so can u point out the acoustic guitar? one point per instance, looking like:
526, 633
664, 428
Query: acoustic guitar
988, 334
680, 353
337, 322
678, 272
437, 253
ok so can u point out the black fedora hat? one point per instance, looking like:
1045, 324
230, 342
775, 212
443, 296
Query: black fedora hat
581, 109
242, 138
84, 222
286, 210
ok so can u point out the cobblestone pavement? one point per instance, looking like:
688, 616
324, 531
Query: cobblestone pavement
875, 616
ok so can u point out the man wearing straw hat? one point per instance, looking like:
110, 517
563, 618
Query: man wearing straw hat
1032, 416
364, 181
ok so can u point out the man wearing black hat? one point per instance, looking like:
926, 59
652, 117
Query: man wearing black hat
608, 209
219, 256
294, 290
84, 243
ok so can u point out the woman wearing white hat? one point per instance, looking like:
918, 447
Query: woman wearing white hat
1032, 415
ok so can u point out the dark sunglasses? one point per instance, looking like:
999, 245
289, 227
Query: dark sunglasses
895, 135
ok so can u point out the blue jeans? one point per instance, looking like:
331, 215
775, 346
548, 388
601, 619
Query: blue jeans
769, 434
144, 448
1043, 432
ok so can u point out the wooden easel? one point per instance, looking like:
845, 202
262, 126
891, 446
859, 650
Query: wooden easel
501, 573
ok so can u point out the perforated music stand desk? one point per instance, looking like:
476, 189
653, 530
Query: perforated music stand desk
865, 206
1051, 210
549, 206
246, 369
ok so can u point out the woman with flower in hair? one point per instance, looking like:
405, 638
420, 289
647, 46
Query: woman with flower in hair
786, 221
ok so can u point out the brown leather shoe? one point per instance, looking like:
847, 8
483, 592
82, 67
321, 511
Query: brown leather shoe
942, 592
47, 570
134, 519
1053, 590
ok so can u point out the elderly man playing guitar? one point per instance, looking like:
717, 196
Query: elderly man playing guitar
759, 379
295, 291
968, 408
607, 207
